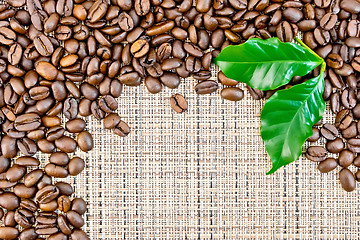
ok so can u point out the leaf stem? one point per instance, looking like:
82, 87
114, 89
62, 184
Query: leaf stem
305, 46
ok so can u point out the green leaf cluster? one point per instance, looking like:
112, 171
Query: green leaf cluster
288, 116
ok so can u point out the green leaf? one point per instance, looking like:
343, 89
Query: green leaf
266, 64
287, 119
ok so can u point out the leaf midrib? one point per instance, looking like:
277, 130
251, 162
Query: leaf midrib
297, 112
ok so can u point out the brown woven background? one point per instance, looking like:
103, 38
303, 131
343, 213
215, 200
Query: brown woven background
201, 175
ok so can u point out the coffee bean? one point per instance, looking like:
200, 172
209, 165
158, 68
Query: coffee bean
327, 165
335, 102
85, 141
76, 165
328, 21
122, 129
334, 61
9, 232
9, 201
232, 93
346, 158
347, 180
27, 122
46, 194
315, 136
79, 234
75, 125
316, 153
152, 84
206, 87
343, 119
178, 103
335, 146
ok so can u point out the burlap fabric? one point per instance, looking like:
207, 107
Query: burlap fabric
201, 175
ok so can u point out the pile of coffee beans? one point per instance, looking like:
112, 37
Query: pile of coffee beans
332, 29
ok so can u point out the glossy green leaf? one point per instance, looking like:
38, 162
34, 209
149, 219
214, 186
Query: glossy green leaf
266, 64
287, 119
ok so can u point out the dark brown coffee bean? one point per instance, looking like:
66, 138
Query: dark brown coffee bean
346, 158
329, 131
85, 141
343, 119
284, 32
9, 232
70, 110
122, 129
347, 180
206, 87
334, 61
26, 146
77, 165
24, 218
9, 201
315, 136
348, 98
335, 102
351, 6
328, 21
328, 165
27, 122
79, 234
55, 171
351, 131
33, 177
66, 144
321, 36
232, 93
160, 28
316, 153
170, 80
178, 103
335, 146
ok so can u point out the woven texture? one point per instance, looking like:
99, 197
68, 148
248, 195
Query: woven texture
201, 175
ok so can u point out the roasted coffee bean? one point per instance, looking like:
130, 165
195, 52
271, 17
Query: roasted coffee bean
66, 144
334, 61
9, 201
206, 87
336, 145
315, 136
75, 125
46, 194
122, 129
347, 180
316, 153
348, 98
329, 131
27, 122
343, 119
85, 141
346, 158
170, 80
232, 93
335, 102
153, 85
71, 108
351, 131
43, 45
33, 177
9, 232
327, 165
108, 103
79, 234
178, 103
